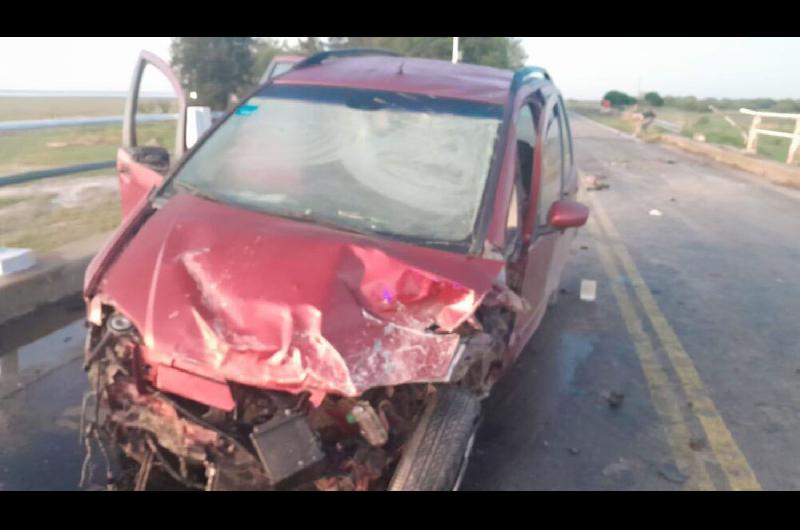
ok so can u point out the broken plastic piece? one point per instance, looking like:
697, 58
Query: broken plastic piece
15, 260
655, 212
369, 424
588, 290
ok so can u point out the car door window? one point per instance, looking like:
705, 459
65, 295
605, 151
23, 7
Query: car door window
525, 136
552, 166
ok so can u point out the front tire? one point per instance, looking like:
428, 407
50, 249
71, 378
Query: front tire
437, 452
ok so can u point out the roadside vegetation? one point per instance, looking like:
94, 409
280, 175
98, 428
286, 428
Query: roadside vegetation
693, 118
34, 149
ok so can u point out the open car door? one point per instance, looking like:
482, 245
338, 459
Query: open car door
143, 167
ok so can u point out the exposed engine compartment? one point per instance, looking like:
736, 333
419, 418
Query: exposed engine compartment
269, 439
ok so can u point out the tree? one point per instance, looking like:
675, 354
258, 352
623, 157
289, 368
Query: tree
654, 99
214, 67
500, 52
619, 99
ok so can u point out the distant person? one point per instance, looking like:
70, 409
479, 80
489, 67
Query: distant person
643, 121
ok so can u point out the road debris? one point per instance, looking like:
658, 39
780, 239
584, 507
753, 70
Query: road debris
656, 213
574, 450
615, 399
697, 443
615, 469
588, 290
592, 183
671, 473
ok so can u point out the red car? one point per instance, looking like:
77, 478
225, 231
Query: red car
318, 294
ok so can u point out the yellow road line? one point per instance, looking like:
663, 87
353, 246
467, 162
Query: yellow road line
662, 394
727, 453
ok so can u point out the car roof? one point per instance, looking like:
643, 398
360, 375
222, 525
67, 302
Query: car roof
406, 74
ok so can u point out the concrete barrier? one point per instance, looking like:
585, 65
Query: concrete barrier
775, 172
56, 276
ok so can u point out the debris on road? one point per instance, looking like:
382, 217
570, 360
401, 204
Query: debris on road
671, 473
588, 290
584, 247
615, 399
574, 450
656, 213
15, 260
615, 469
592, 183
697, 443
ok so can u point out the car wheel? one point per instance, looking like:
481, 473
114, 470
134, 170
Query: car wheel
436, 455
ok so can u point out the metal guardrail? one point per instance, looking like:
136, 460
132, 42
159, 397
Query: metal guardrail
23, 125
54, 172
755, 130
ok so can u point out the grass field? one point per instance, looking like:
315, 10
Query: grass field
38, 108
53, 226
42, 148
713, 126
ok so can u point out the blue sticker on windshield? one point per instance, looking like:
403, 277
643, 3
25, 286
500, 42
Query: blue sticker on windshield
246, 110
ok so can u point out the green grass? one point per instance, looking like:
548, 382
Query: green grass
38, 108
43, 148
8, 201
712, 125
48, 226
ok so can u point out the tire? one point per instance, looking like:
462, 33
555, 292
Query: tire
438, 450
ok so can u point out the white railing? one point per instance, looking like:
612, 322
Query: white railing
752, 136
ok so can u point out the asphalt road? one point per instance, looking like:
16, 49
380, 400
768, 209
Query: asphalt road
693, 332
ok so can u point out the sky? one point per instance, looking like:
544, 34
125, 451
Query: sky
582, 67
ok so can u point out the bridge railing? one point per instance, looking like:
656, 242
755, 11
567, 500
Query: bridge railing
195, 128
756, 130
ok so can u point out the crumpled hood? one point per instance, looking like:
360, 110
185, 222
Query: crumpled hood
241, 296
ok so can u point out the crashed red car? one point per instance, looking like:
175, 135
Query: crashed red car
318, 294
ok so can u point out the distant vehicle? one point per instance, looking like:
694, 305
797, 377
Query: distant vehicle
318, 294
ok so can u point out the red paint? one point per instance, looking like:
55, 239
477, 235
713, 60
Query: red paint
222, 294
417, 76
241, 296
135, 180
567, 214
200, 389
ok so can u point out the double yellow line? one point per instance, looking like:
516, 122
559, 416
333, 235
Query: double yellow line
664, 394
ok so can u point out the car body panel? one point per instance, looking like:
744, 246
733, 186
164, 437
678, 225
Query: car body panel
410, 75
233, 295
236, 295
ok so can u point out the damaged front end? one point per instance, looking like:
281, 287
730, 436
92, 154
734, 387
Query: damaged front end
260, 439
238, 363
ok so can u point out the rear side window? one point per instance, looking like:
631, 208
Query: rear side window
552, 165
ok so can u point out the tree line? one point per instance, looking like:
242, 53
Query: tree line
218, 67
620, 99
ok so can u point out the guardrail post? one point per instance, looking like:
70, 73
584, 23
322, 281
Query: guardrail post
752, 136
795, 142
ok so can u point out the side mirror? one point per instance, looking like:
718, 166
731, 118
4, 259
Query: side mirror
565, 214
154, 157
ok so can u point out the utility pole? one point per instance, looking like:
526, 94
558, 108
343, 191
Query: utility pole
455, 50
